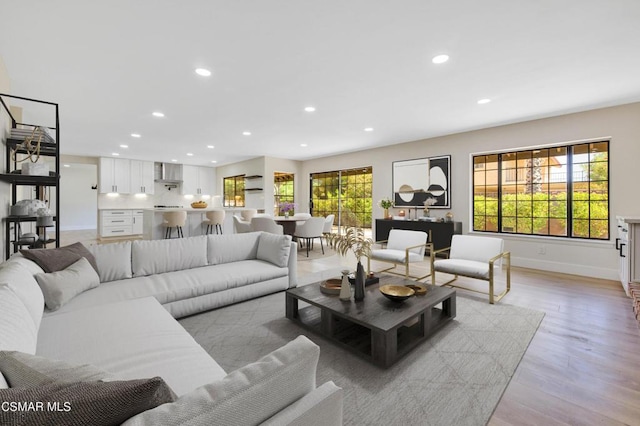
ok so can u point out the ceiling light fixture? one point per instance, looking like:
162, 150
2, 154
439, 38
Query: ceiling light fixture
115, 154
157, 114
303, 145
214, 161
135, 135
440, 59
210, 146
124, 146
190, 154
368, 129
203, 72
484, 101
173, 160
246, 133
310, 109
67, 165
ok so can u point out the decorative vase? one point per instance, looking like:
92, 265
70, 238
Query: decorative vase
345, 288
426, 212
360, 280
286, 215
386, 214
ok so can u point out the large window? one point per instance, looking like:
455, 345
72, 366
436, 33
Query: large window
558, 191
282, 190
233, 191
346, 194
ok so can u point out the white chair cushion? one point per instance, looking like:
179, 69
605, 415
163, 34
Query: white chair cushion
226, 248
274, 249
113, 260
158, 256
468, 268
395, 255
17, 329
400, 239
247, 396
471, 247
20, 278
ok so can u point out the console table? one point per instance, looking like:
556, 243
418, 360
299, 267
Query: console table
441, 232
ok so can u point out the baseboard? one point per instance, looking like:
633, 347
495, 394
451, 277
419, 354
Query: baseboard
565, 268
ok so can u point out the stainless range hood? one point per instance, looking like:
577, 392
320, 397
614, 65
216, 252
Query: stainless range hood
168, 173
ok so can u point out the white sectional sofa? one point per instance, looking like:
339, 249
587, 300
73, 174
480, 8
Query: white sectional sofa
125, 326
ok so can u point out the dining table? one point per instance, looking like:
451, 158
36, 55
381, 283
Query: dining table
288, 224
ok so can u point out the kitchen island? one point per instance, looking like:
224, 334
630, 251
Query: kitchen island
153, 229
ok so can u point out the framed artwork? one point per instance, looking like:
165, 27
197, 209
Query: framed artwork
414, 181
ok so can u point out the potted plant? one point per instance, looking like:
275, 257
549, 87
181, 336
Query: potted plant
287, 208
355, 240
428, 203
386, 204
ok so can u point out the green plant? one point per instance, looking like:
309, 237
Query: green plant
353, 239
385, 203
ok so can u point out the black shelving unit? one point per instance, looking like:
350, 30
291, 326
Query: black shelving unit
252, 177
47, 149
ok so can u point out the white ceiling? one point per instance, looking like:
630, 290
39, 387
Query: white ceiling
361, 63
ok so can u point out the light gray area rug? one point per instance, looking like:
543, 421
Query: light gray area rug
455, 378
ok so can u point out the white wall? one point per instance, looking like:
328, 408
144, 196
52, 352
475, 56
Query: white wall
255, 166
78, 201
590, 258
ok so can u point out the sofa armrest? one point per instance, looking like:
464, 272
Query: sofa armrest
320, 407
293, 265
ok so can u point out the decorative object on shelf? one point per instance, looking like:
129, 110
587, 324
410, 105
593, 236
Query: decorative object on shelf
28, 146
428, 203
331, 286
416, 180
345, 289
19, 210
35, 169
287, 207
386, 204
199, 204
397, 293
44, 217
448, 217
32, 206
355, 240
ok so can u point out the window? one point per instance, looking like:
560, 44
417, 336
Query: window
233, 191
282, 190
558, 191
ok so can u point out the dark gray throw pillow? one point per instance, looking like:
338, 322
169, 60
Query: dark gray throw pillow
82, 403
52, 260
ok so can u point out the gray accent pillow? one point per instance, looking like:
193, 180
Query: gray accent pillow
61, 286
22, 370
85, 403
113, 260
274, 249
52, 260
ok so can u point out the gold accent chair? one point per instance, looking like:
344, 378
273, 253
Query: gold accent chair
474, 257
402, 248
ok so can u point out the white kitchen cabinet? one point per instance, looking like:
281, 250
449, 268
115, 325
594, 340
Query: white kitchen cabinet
628, 246
198, 180
115, 223
114, 176
141, 177
136, 225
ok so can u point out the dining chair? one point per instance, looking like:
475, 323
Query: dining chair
309, 230
241, 226
328, 224
266, 224
247, 214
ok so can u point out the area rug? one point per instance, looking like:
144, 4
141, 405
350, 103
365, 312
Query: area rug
315, 253
455, 378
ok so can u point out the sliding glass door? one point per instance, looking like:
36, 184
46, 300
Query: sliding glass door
345, 193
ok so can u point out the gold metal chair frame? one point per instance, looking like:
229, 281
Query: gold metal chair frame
405, 263
492, 298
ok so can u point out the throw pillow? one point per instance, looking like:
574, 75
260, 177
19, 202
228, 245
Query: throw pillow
52, 260
60, 287
113, 260
83, 403
25, 370
247, 396
24, 285
274, 249
17, 330
3, 382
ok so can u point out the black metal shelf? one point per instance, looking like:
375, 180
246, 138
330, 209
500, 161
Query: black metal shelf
252, 177
253, 189
19, 179
15, 219
48, 149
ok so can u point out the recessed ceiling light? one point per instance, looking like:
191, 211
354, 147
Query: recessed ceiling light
210, 146
303, 145
174, 160
246, 133
213, 161
368, 129
310, 109
67, 165
135, 135
115, 154
157, 114
484, 101
190, 154
124, 146
203, 72
440, 59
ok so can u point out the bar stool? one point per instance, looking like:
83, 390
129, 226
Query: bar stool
214, 220
174, 220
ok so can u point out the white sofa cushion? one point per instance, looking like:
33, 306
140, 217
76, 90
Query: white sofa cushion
401, 239
472, 247
17, 330
274, 248
132, 339
467, 268
321, 407
247, 396
395, 255
62, 286
158, 256
226, 248
19, 277
113, 260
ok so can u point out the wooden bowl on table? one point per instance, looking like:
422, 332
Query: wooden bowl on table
199, 205
397, 293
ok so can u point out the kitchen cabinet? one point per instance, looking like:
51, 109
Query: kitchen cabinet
141, 180
119, 223
628, 247
198, 180
136, 225
114, 176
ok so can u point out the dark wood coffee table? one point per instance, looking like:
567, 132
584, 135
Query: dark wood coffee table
377, 329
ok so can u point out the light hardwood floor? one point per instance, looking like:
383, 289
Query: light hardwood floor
581, 368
